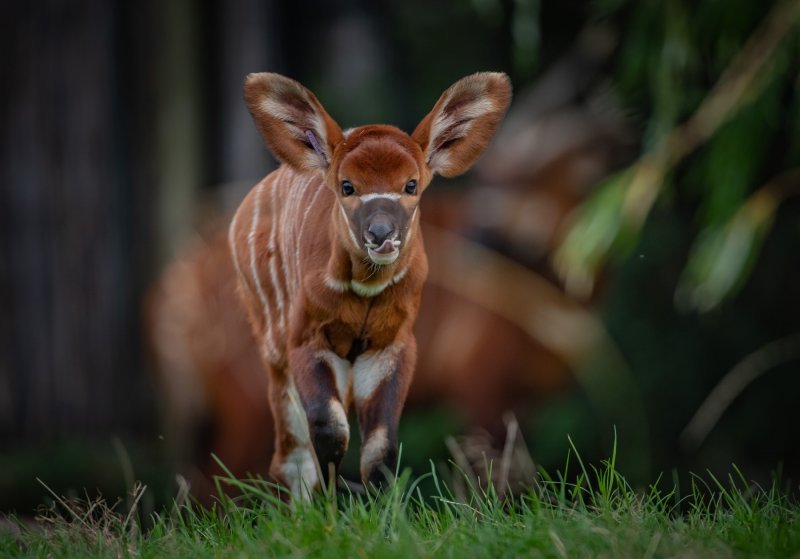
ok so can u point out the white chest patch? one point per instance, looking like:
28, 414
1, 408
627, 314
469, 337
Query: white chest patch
364, 289
336, 285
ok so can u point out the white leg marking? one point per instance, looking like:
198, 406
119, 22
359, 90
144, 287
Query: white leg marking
342, 374
297, 421
339, 420
374, 449
370, 369
299, 469
300, 472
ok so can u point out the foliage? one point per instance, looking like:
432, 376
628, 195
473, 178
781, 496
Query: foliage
715, 86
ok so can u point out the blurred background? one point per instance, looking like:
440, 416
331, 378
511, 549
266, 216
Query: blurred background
624, 256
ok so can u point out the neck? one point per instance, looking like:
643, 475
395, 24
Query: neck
349, 270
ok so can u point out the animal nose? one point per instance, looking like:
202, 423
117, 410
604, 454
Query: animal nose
378, 231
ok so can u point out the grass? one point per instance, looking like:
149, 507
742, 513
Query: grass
595, 514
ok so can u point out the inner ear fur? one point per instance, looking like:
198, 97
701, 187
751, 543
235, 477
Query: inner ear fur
284, 111
462, 122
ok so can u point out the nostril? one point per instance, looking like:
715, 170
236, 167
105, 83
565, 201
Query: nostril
378, 232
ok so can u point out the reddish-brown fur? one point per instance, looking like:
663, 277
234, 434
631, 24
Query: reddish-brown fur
332, 279
469, 357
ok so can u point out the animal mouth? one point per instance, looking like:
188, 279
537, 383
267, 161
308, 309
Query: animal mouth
384, 254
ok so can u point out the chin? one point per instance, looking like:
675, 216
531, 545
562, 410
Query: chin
383, 259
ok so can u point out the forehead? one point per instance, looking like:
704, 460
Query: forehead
379, 156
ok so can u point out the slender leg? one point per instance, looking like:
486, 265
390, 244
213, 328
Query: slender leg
293, 461
381, 380
327, 419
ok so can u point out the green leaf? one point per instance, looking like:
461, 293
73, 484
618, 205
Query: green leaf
597, 229
723, 256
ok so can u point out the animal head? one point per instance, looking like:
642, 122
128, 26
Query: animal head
377, 172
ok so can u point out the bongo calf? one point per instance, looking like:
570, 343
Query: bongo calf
331, 263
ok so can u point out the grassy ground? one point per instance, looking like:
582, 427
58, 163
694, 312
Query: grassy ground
596, 515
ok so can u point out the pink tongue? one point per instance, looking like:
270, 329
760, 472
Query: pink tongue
385, 248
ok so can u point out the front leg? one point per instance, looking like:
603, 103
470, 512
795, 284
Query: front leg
293, 460
380, 384
320, 376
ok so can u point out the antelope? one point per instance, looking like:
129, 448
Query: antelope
330, 264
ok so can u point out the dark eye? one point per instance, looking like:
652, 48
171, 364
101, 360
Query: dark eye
411, 187
347, 188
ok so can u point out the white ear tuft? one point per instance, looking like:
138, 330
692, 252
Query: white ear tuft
462, 122
292, 121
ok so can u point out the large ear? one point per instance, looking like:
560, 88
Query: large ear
292, 121
462, 122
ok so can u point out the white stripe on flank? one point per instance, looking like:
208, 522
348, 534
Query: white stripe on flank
375, 195
303, 225
232, 243
297, 230
290, 275
289, 240
251, 241
287, 196
273, 269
